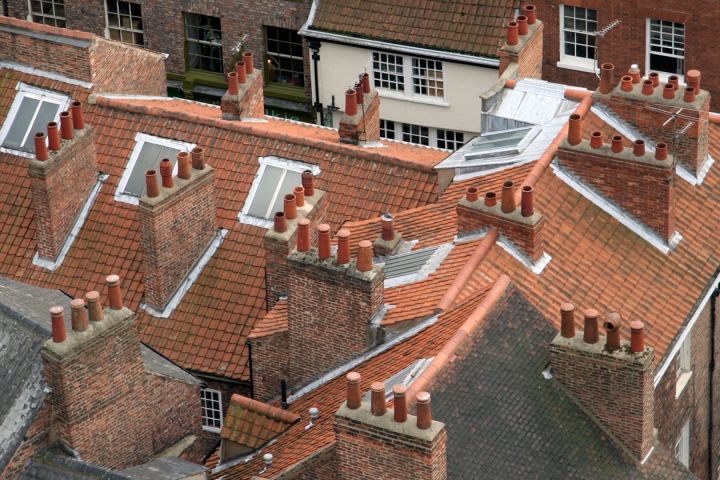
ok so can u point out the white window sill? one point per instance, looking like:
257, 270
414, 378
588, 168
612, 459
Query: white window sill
211, 429
682, 380
416, 98
578, 66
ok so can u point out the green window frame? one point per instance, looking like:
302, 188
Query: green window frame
284, 62
203, 43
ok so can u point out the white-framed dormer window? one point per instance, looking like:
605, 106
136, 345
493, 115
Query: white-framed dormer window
578, 37
682, 445
147, 154
47, 12
666, 47
683, 366
123, 22
409, 78
31, 111
275, 178
212, 413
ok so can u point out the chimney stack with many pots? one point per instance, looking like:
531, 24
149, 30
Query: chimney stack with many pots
361, 121
245, 96
524, 44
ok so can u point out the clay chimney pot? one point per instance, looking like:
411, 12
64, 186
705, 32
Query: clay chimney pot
365, 260
388, 227
77, 115
354, 400
95, 306
290, 206
324, 251
635, 73
183, 159
41, 150
198, 158
303, 241
655, 77
280, 222
527, 207
343, 247
53, 136
591, 335
637, 337
612, 329
689, 95
639, 148
596, 140
241, 72
359, 94
308, 182
232, 83
58, 324
567, 320
78, 317
299, 193
607, 80
508, 197
512, 33
378, 407
351, 107
490, 199
151, 184
648, 87
472, 194
617, 144
669, 91
365, 81
692, 77
424, 416
114, 293
674, 80
166, 169
522, 22
248, 59
400, 405
531, 13
661, 151
66, 130
627, 83
575, 129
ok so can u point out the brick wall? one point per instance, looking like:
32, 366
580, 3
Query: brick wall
176, 228
626, 43
329, 306
527, 53
248, 103
365, 125
642, 186
227, 389
60, 187
100, 405
269, 364
121, 68
616, 387
37, 436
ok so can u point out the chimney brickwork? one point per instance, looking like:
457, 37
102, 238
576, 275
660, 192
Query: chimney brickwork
527, 53
99, 402
249, 102
364, 126
614, 385
176, 227
691, 148
60, 187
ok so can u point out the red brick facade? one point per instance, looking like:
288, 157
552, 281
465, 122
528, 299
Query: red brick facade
365, 125
60, 187
176, 228
270, 365
527, 53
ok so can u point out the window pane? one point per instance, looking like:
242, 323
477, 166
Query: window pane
292, 179
47, 113
148, 159
265, 192
21, 123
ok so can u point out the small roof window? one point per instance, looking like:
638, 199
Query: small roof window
407, 263
275, 178
146, 155
507, 142
31, 111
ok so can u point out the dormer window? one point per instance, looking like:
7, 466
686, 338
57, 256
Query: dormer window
505, 143
31, 111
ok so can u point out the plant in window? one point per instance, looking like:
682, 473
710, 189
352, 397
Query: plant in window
237, 52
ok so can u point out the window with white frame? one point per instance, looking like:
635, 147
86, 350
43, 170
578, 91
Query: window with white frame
124, 22
147, 154
450, 140
275, 178
426, 79
415, 134
387, 129
666, 46
683, 366
48, 12
212, 415
682, 445
579, 34
31, 111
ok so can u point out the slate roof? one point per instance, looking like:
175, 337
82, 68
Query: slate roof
505, 420
207, 331
254, 423
464, 26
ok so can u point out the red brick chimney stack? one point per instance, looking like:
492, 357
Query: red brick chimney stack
61, 181
524, 45
372, 441
97, 377
177, 225
610, 377
361, 121
244, 100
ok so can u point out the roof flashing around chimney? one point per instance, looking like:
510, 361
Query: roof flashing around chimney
53, 264
387, 422
625, 155
506, 244
623, 353
178, 185
656, 97
312, 257
522, 39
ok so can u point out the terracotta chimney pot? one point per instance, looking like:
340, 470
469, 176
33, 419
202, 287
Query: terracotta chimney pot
58, 324
692, 77
303, 241
308, 182
354, 400
424, 416
674, 80
531, 13
241, 72
77, 115
94, 306
637, 337
648, 88
596, 139
512, 33
114, 293
78, 315
183, 159
522, 22
591, 335
567, 320
612, 328
388, 227
617, 144
527, 207
166, 169
151, 184
365, 260
575, 129
472, 194
351, 107
490, 199
639, 148
627, 83
53, 136
689, 95
343, 247
324, 251
635, 73
400, 405
359, 94
248, 59
290, 206
378, 407
198, 158
365, 81
669, 91
655, 77
232, 83
661, 151
299, 193
41, 150
607, 80
66, 130
508, 197
280, 222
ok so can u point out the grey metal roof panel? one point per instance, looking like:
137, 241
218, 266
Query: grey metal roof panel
407, 263
53, 464
156, 363
170, 468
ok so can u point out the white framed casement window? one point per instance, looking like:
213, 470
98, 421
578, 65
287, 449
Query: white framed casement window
422, 135
123, 22
147, 154
449, 139
666, 47
47, 12
578, 38
275, 178
31, 111
409, 78
682, 445
683, 366
212, 413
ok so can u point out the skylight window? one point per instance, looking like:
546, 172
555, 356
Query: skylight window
407, 263
404, 377
31, 111
507, 142
146, 155
275, 178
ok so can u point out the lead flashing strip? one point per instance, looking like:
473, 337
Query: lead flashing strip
52, 265
19, 67
507, 245
189, 279
611, 209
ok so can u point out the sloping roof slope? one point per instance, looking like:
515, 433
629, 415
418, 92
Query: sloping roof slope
465, 26
254, 423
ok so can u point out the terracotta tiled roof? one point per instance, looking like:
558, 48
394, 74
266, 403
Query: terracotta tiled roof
462, 26
207, 331
254, 423
275, 321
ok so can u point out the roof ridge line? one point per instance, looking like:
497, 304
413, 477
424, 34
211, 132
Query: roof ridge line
260, 132
465, 330
463, 276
